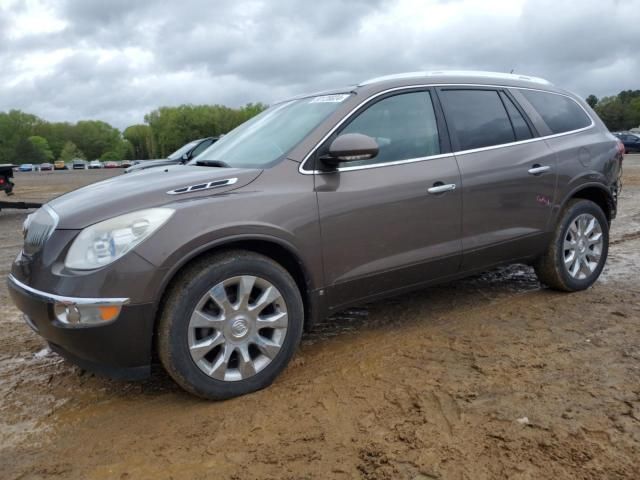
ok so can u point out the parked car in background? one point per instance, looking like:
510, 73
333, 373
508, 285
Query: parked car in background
79, 164
631, 141
6, 174
126, 163
59, 165
111, 164
94, 164
181, 156
44, 167
218, 265
27, 167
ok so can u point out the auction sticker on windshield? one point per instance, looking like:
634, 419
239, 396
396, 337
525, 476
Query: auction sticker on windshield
330, 98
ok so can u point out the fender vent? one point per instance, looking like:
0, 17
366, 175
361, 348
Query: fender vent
203, 186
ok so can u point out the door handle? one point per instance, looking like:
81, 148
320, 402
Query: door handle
538, 169
440, 187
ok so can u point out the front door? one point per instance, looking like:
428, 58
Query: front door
393, 221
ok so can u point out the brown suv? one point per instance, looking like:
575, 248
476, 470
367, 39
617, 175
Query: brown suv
318, 203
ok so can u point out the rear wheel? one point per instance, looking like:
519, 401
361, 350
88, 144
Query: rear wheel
230, 325
578, 251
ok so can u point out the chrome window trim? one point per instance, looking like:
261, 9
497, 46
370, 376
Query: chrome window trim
529, 140
52, 298
384, 164
442, 155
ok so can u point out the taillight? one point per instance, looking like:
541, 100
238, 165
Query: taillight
621, 147
1, 181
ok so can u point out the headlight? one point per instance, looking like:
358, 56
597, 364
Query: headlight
105, 242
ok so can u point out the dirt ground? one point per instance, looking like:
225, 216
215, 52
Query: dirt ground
489, 377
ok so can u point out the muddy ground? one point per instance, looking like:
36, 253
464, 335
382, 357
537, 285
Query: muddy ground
489, 377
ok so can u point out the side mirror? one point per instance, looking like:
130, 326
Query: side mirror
351, 147
185, 157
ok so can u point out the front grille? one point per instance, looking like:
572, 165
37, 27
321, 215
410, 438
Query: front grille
38, 230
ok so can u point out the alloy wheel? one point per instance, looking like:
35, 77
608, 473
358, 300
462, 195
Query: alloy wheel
583, 244
237, 328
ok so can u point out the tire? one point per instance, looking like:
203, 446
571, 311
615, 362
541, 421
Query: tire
195, 299
556, 265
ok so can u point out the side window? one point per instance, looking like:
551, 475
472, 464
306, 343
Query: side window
477, 117
520, 126
560, 113
200, 148
403, 125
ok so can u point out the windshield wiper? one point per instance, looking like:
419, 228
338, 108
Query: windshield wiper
213, 163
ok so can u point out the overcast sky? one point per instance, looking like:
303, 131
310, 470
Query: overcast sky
116, 60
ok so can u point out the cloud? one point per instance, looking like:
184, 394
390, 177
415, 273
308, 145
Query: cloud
118, 60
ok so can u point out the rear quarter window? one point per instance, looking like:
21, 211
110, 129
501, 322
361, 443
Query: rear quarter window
560, 113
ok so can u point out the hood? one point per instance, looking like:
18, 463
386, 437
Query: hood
145, 189
152, 163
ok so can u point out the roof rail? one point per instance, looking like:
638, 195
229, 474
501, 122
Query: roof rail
456, 73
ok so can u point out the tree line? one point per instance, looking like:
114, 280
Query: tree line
618, 112
26, 138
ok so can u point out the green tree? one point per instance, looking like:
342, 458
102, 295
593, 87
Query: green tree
611, 111
42, 144
56, 133
71, 151
94, 137
633, 113
15, 126
620, 112
172, 127
125, 150
140, 138
592, 100
167, 129
109, 156
27, 152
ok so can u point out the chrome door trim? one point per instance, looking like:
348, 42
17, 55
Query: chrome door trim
302, 170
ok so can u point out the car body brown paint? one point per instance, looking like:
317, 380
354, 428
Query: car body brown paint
357, 234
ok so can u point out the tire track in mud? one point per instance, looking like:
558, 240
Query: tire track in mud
625, 238
429, 385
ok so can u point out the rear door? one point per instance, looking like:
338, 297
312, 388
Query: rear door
508, 177
382, 229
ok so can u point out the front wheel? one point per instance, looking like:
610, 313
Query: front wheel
230, 325
578, 251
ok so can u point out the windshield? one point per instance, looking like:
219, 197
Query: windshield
182, 150
264, 139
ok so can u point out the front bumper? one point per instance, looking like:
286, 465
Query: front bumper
118, 349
